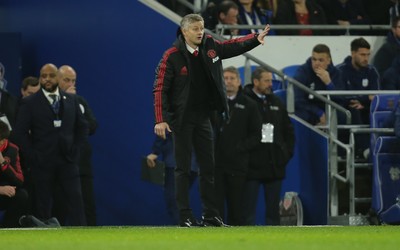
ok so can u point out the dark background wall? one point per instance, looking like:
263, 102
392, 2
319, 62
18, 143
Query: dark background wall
114, 47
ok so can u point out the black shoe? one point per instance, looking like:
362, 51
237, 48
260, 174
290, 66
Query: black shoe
190, 222
214, 222
30, 221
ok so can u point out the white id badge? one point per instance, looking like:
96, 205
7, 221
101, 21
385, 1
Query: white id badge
267, 133
57, 123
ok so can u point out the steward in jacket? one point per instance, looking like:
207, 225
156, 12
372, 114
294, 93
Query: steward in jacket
236, 138
267, 165
268, 160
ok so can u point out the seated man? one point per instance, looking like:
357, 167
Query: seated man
225, 12
389, 49
318, 73
358, 74
13, 199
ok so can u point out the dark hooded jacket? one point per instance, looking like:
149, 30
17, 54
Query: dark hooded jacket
236, 138
386, 53
391, 77
366, 78
268, 160
308, 107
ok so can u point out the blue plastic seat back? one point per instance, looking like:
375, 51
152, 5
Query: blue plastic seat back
290, 71
378, 120
386, 179
281, 93
384, 102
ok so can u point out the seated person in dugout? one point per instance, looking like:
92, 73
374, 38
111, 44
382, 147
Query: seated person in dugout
318, 73
13, 198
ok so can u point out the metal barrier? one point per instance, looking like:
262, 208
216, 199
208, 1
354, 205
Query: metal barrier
220, 28
351, 165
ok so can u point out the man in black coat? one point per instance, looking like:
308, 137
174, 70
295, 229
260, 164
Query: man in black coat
67, 82
268, 160
188, 87
234, 141
50, 129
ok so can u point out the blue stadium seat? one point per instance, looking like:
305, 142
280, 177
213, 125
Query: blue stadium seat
290, 71
281, 93
380, 111
386, 179
378, 120
384, 102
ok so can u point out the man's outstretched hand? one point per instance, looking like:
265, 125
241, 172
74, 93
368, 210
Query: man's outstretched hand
263, 34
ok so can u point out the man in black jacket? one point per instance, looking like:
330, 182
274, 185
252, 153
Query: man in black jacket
50, 129
67, 82
234, 141
188, 86
274, 150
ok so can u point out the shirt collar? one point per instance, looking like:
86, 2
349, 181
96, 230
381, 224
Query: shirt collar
261, 96
47, 94
232, 97
190, 49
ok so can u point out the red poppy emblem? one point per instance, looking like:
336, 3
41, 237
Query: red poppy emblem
211, 53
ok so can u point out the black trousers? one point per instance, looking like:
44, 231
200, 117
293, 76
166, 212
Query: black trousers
272, 191
195, 132
229, 188
15, 207
66, 177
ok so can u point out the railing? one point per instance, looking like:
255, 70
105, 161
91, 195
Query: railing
220, 28
193, 7
350, 150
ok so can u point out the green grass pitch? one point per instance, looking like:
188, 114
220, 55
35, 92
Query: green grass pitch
232, 238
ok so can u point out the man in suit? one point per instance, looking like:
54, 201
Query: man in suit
50, 130
67, 82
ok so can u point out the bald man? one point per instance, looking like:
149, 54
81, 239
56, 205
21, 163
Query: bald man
50, 131
67, 82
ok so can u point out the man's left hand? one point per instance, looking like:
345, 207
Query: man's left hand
263, 34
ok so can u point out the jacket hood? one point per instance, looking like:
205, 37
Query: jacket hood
248, 89
347, 60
